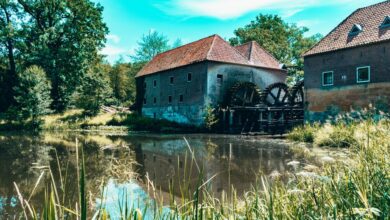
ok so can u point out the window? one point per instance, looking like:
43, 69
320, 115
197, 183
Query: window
356, 29
181, 99
144, 101
171, 80
327, 78
154, 83
219, 78
189, 77
154, 100
386, 22
169, 99
363, 74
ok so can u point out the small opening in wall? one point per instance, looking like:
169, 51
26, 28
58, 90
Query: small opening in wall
189, 77
154, 83
219, 78
154, 100
169, 99
181, 99
171, 80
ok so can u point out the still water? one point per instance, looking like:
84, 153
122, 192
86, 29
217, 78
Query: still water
134, 164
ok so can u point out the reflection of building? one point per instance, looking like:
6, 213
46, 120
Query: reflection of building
178, 84
236, 162
350, 66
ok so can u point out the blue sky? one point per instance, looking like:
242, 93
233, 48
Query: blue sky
191, 20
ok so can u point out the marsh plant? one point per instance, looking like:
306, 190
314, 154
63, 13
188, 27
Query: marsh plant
354, 188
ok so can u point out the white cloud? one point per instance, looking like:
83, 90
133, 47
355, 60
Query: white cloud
114, 38
226, 9
110, 50
114, 53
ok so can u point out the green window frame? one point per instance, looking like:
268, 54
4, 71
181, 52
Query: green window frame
363, 74
328, 78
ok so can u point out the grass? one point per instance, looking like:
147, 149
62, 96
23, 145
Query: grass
122, 122
355, 188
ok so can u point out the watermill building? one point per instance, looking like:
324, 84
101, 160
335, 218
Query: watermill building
179, 84
350, 67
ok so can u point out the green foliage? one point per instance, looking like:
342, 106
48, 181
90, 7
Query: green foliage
32, 95
150, 45
286, 42
94, 92
10, 32
339, 135
303, 133
210, 118
62, 37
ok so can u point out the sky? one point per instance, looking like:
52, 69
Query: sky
190, 20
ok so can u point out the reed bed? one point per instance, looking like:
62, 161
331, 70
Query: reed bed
357, 188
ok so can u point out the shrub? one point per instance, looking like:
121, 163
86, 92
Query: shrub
339, 135
303, 133
210, 118
32, 96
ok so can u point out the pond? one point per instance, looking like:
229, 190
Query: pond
145, 166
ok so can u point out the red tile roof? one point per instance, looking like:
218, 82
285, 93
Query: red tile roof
257, 55
369, 18
212, 48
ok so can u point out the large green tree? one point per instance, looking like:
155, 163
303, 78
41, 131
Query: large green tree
63, 37
9, 40
120, 81
286, 42
95, 90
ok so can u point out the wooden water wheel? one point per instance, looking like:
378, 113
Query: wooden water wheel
297, 98
276, 95
243, 94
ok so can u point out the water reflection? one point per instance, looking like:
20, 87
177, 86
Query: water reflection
129, 162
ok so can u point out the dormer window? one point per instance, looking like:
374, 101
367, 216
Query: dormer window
386, 22
356, 29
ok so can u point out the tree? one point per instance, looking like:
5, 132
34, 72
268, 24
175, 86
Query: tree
286, 42
32, 95
177, 43
149, 46
63, 37
9, 35
94, 92
120, 81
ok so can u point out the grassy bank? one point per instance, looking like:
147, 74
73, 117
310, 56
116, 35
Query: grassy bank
77, 120
354, 188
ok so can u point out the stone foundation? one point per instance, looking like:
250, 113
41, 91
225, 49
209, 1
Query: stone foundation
321, 103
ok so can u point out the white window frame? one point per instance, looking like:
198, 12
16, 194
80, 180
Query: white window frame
369, 74
322, 78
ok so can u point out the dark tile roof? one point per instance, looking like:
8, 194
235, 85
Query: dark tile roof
369, 18
212, 48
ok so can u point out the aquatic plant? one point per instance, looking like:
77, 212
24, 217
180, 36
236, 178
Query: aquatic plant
354, 188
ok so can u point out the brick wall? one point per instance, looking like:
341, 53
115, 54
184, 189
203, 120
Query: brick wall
346, 93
